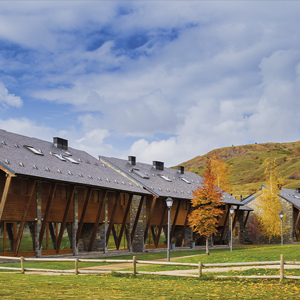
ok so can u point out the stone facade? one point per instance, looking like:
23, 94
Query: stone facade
137, 244
287, 209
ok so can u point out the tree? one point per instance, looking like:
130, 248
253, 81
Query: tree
221, 172
206, 201
268, 204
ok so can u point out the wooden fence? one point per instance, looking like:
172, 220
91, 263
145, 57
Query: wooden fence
134, 263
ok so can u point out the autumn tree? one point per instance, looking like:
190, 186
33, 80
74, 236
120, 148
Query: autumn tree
221, 172
206, 202
268, 205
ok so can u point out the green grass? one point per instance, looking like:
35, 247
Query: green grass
18, 286
118, 286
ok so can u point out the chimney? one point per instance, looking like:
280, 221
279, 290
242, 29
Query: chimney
60, 143
181, 169
131, 160
298, 190
158, 165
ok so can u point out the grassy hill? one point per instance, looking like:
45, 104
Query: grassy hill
247, 173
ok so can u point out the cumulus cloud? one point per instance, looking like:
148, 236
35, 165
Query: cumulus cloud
8, 99
175, 80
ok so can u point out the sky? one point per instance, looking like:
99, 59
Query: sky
159, 80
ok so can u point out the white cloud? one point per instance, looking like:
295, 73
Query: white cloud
9, 99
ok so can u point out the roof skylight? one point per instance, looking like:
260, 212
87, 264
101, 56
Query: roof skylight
71, 160
165, 178
139, 173
33, 150
66, 152
59, 156
185, 180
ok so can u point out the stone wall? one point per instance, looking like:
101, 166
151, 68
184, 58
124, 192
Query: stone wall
287, 209
137, 244
84, 242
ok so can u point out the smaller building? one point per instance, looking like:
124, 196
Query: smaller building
290, 201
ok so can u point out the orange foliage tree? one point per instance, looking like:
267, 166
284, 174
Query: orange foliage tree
206, 201
221, 171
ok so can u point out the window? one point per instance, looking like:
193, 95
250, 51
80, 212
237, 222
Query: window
139, 173
165, 178
185, 180
71, 160
59, 156
33, 150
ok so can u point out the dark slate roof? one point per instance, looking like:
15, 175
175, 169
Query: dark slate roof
18, 160
175, 188
291, 195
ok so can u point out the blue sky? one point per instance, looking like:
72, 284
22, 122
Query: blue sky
160, 80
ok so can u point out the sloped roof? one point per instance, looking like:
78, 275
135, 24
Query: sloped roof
175, 184
291, 195
88, 170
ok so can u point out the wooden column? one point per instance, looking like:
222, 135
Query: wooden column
149, 218
38, 251
161, 225
4, 195
111, 222
224, 225
137, 218
64, 221
185, 224
75, 223
296, 224
31, 185
248, 213
175, 219
80, 225
46, 214
124, 221
94, 232
235, 216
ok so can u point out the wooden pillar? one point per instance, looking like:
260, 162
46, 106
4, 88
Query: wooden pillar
38, 247
4, 195
112, 217
46, 214
185, 224
296, 225
75, 223
224, 225
175, 219
31, 185
161, 225
64, 220
149, 217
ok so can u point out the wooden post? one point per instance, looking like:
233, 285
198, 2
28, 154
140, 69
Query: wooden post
76, 266
134, 266
22, 264
200, 269
281, 267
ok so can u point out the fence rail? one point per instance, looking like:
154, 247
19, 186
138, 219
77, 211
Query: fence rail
134, 263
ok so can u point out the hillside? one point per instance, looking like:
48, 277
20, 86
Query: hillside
247, 173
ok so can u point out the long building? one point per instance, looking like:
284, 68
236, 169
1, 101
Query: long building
56, 200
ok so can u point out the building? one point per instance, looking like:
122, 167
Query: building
290, 202
56, 200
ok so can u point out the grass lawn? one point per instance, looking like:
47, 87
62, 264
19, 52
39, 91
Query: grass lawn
117, 286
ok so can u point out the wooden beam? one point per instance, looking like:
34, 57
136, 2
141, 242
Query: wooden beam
185, 224
248, 213
124, 221
113, 230
31, 185
80, 225
137, 217
111, 222
296, 224
64, 220
4, 195
46, 214
224, 226
149, 218
94, 232
235, 216
175, 219
161, 225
